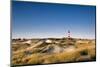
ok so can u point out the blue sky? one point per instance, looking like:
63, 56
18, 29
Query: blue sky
43, 20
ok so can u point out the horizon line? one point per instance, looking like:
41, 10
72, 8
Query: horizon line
49, 37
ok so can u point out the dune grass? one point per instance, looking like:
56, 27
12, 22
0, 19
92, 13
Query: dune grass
34, 56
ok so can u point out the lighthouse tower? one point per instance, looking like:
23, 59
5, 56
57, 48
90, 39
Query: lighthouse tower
69, 34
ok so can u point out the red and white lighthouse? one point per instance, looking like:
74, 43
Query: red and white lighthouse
68, 34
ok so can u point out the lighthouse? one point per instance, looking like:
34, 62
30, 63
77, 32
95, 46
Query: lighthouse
69, 34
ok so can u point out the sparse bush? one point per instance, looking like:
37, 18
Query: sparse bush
84, 52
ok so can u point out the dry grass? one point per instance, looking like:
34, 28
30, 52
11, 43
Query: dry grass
82, 52
61, 57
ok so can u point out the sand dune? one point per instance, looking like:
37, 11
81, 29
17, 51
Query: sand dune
41, 51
